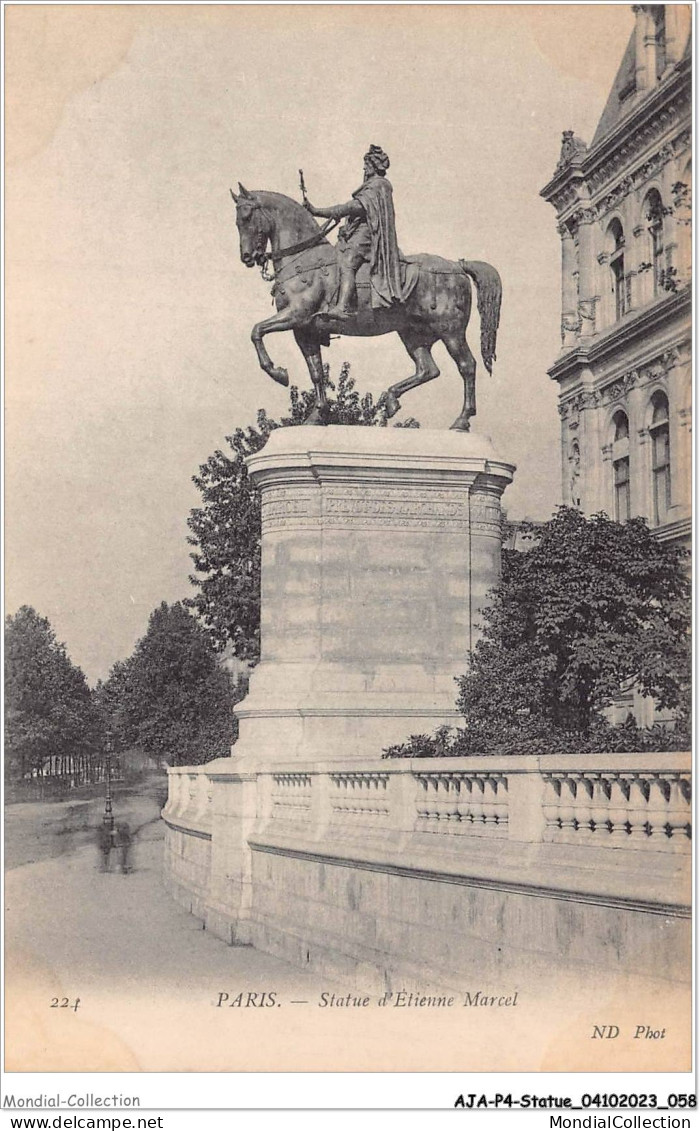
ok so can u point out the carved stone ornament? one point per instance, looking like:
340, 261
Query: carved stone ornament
619, 388
584, 215
570, 326
658, 368
571, 149
571, 408
586, 308
671, 358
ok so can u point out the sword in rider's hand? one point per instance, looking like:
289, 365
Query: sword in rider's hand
329, 224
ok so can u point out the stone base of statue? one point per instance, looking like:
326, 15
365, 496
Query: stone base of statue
379, 547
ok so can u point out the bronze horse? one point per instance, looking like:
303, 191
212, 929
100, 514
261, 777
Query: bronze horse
306, 282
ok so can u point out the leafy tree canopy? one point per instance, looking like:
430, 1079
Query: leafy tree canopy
171, 698
50, 712
225, 529
593, 606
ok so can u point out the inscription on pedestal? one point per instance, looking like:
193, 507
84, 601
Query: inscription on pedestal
371, 508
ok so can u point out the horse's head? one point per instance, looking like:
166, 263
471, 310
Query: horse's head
253, 225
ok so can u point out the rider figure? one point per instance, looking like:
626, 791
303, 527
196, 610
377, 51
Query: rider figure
367, 236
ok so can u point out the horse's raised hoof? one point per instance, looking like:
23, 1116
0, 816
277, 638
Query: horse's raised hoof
461, 424
280, 376
391, 404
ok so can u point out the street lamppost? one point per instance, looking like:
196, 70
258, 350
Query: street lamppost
108, 818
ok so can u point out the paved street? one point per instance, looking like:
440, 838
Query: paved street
40, 830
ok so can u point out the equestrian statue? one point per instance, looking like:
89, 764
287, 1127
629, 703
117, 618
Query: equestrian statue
363, 286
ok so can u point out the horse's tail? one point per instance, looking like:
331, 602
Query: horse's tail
488, 303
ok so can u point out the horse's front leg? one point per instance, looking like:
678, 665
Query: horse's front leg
285, 319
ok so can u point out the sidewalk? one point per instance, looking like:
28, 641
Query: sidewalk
147, 975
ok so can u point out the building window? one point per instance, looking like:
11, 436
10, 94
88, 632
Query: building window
654, 216
621, 467
575, 475
660, 458
616, 243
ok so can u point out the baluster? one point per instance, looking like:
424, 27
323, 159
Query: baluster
585, 805
464, 804
490, 787
422, 803
619, 804
679, 812
435, 815
550, 806
501, 810
567, 809
639, 811
441, 805
659, 792
476, 807
600, 809
453, 805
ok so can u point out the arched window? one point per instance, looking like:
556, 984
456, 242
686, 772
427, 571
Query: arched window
653, 211
660, 457
621, 466
616, 253
622, 426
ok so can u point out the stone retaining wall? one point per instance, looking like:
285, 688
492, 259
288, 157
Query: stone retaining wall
388, 871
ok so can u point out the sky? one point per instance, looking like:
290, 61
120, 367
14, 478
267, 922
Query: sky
128, 311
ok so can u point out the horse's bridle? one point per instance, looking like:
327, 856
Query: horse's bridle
265, 257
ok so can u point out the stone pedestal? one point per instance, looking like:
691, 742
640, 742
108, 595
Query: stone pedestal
379, 547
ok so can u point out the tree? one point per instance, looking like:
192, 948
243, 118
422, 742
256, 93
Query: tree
112, 698
52, 724
171, 698
225, 529
594, 605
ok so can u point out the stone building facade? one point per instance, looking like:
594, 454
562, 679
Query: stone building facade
623, 213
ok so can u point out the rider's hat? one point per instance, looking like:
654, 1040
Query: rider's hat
377, 159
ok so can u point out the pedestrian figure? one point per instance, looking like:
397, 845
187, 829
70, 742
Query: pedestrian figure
123, 842
104, 845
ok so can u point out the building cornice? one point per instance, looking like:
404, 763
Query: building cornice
642, 325
588, 174
641, 127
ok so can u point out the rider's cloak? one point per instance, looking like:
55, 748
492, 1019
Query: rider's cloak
376, 197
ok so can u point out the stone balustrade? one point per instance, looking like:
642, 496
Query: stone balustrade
624, 808
465, 802
352, 864
640, 802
